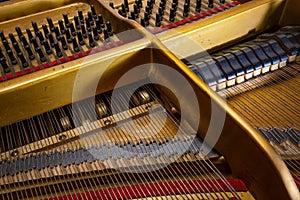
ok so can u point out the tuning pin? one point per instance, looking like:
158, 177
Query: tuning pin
149, 4
174, 6
75, 45
141, 3
172, 15
34, 42
98, 25
157, 20
64, 43
147, 22
29, 52
162, 5
4, 65
57, 33
1, 54
106, 35
61, 26
51, 25
81, 16
40, 35
146, 17
66, 19
91, 40
23, 40
136, 10
137, 3
6, 45
198, 5
152, 2
17, 48
109, 28
68, 35
77, 23
210, 3
123, 9
27, 47
160, 11
94, 11
126, 5
45, 29
2, 36
35, 27
58, 50
72, 29
23, 60
100, 18
11, 57
143, 22
19, 32
80, 38
186, 9
148, 9
12, 38
88, 25
90, 17
83, 30
47, 46
30, 36
111, 4
121, 13
51, 39
41, 54
95, 33
14, 43
132, 15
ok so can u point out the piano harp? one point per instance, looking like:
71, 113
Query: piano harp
71, 130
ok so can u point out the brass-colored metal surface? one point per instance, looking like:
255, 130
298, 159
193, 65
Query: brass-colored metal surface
47, 84
54, 86
252, 147
243, 21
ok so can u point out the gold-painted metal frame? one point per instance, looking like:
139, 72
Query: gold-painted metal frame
250, 157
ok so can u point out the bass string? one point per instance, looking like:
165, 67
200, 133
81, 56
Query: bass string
50, 131
266, 104
287, 73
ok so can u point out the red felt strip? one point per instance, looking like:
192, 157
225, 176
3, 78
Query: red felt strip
119, 43
297, 181
19, 73
235, 3
61, 60
217, 9
161, 189
211, 12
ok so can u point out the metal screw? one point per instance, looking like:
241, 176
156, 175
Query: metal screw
62, 137
107, 122
14, 153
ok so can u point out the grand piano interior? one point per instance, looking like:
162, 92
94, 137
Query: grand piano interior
149, 99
